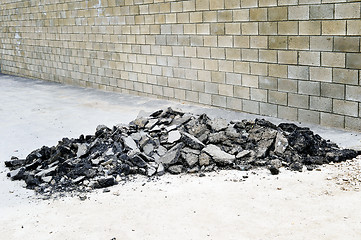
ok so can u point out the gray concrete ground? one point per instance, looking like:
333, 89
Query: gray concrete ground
34, 113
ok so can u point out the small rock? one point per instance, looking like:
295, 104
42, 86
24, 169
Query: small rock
130, 143
204, 159
243, 154
175, 169
82, 150
274, 170
218, 155
174, 136
218, 124
160, 170
105, 182
191, 141
281, 143
151, 123
171, 157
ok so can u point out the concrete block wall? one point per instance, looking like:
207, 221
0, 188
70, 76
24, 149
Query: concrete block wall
293, 59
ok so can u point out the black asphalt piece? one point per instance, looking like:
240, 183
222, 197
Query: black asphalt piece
174, 142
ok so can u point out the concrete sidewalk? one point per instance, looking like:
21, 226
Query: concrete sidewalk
34, 113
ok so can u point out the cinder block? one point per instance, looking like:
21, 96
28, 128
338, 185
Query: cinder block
334, 27
310, 28
241, 15
353, 93
287, 57
267, 3
309, 88
225, 66
298, 43
321, 43
268, 28
308, 116
250, 55
242, 92
218, 53
259, 69
250, 106
330, 59
233, 54
234, 79
202, 5
309, 58
332, 90
217, 29
195, 17
288, 28
347, 108
233, 28
234, 103
346, 44
353, 60
287, 113
287, 85
205, 98
198, 86
250, 28
347, 10
298, 13
225, 41
216, 4
268, 109
287, 2
259, 95
249, 3
218, 77
269, 56
270, 83
219, 101
225, 16
324, 11
279, 98
189, 6
298, 72
353, 123
332, 120
210, 41
354, 27
321, 74
258, 42
277, 14
241, 41
180, 94
275, 70
212, 88
203, 52
298, 101
241, 67
345, 76
203, 29
321, 104
210, 16
258, 14
204, 76
226, 90
232, 4
250, 81
277, 42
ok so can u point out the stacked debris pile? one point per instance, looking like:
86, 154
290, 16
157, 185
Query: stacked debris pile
174, 142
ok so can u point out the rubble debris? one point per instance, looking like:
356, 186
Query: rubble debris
174, 142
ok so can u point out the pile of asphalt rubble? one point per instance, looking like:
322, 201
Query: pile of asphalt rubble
174, 142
